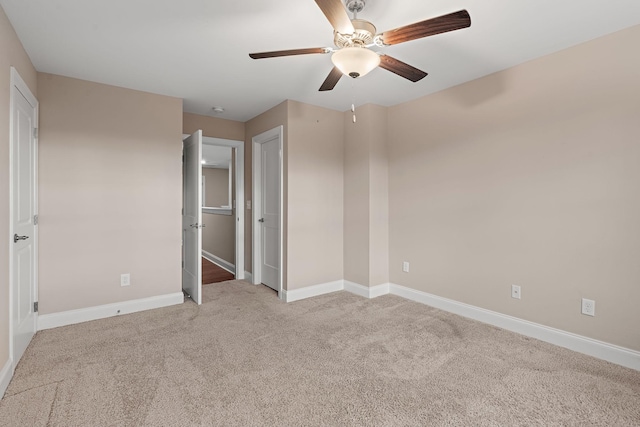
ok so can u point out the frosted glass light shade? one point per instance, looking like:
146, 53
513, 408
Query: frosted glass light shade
355, 61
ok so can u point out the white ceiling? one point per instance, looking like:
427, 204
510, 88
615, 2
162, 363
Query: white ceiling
215, 156
198, 49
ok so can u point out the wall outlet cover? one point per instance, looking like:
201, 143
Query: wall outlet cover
588, 307
516, 292
125, 279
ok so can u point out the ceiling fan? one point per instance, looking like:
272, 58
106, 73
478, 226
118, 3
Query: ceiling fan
355, 37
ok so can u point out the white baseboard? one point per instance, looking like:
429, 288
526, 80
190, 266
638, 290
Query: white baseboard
248, 277
54, 320
599, 349
5, 376
231, 268
338, 285
313, 291
366, 291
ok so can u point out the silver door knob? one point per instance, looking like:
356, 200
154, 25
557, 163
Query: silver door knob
16, 238
261, 220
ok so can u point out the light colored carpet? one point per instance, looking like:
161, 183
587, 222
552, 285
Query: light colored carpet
244, 358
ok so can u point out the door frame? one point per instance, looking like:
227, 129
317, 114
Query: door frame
18, 84
257, 142
239, 196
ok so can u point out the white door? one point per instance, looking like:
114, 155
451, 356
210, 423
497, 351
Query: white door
23, 211
192, 217
270, 212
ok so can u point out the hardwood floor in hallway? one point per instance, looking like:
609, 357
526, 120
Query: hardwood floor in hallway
212, 273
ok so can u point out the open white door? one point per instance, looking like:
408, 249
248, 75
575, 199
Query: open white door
24, 108
192, 217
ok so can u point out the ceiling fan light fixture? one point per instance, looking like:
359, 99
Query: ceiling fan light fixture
355, 61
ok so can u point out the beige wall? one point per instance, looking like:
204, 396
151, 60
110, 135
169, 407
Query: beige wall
11, 54
379, 197
356, 197
366, 202
315, 165
530, 177
218, 235
213, 127
110, 193
277, 116
216, 187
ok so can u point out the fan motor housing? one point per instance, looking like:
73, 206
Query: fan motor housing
363, 35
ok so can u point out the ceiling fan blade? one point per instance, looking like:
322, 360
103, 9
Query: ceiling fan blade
289, 52
337, 15
429, 27
331, 80
400, 68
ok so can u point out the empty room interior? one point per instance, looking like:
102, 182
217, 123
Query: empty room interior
428, 212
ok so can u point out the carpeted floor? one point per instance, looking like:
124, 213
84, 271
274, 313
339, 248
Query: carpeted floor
244, 358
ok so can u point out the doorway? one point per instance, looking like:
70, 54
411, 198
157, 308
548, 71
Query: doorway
218, 205
231, 208
267, 219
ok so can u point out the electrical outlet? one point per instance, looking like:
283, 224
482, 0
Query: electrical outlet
125, 279
516, 292
405, 266
588, 307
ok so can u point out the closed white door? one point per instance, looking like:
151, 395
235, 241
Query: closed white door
270, 212
192, 217
23, 239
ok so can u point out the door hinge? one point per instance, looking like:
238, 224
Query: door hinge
35, 307
35, 220
35, 133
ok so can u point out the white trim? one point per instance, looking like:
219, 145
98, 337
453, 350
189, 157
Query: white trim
313, 291
601, 350
216, 211
54, 320
257, 142
5, 376
248, 277
338, 285
366, 291
219, 262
